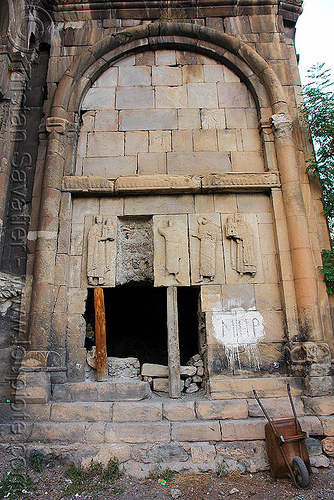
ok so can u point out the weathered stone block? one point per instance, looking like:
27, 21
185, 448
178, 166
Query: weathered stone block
94, 433
211, 298
107, 79
77, 411
121, 452
251, 140
136, 142
123, 390
198, 163
182, 140
215, 410
318, 386
251, 161
161, 384
319, 461
135, 98
106, 121
134, 75
34, 387
213, 73
165, 58
160, 141
192, 73
165, 75
196, 431
151, 163
152, 119
141, 205
312, 425
157, 454
138, 433
227, 140
99, 98
242, 430
323, 405
202, 95
136, 412
227, 388
275, 407
48, 432
179, 411
240, 450
313, 446
110, 167
233, 95
202, 453
205, 140
188, 119
171, 97
328, 446
328, 425
236, 118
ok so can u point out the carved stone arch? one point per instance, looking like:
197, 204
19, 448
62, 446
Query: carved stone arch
245, 61
79, 77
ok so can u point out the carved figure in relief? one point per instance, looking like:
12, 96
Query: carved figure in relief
242, 256
207, 234
100, 236
173, 249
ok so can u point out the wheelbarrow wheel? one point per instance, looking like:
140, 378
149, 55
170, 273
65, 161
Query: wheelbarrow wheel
301, 473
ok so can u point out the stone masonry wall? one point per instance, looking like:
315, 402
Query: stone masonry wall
168, 112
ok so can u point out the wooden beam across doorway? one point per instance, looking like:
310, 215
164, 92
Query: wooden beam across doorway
100, 336
173, 343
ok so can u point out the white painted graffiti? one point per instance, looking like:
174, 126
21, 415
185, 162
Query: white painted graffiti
239, 329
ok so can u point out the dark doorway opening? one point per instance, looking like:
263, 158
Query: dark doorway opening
136, 322
136, 319
187, 301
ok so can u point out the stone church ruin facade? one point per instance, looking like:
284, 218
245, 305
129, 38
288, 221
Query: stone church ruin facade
153, 152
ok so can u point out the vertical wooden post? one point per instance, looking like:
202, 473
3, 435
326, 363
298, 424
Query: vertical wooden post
173, 343
100, 336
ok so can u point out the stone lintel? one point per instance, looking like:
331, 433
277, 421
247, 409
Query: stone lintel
88, 184
162, 184
239, 182
171, 184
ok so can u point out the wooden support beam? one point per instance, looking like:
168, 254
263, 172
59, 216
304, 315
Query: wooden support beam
173, 343
100, 336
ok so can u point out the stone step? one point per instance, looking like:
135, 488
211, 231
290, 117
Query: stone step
162, 431
117, 390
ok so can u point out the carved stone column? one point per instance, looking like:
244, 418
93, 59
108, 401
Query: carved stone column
298, 231
44, 293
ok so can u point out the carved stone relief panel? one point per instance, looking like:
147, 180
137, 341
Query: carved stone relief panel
134, 261
101, 251
242, 251
171, 256
206, 251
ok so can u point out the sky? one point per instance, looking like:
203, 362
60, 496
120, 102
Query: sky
315, 35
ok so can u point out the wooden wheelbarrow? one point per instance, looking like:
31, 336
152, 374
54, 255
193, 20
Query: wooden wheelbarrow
286, 448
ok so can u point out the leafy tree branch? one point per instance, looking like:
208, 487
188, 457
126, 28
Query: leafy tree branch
318, 112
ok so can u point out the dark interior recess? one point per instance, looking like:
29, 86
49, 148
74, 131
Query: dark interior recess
136, 322
187, 301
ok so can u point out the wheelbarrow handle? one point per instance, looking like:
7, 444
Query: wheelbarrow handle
265, 413
291, 402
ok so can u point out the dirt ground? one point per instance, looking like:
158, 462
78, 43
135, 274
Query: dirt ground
52, 483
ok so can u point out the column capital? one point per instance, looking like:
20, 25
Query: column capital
56, 124
282, 125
